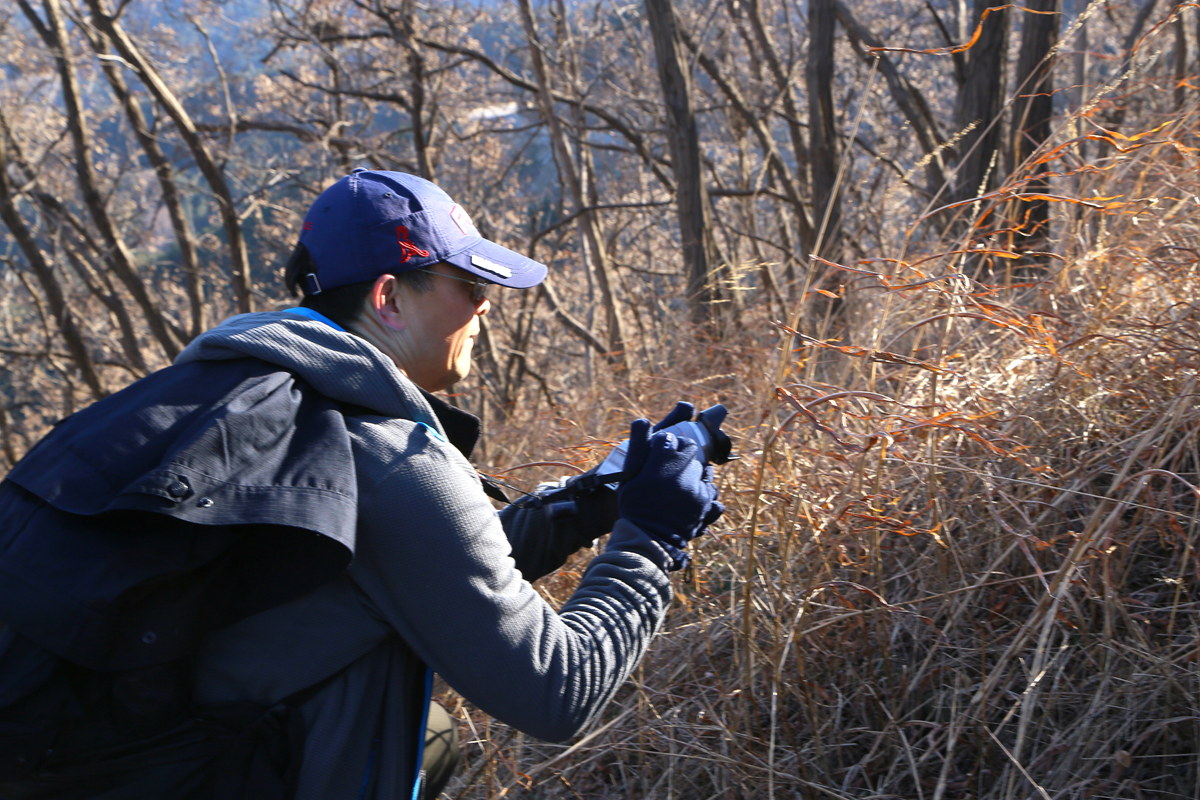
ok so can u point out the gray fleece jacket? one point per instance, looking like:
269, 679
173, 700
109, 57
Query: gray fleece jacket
439, 583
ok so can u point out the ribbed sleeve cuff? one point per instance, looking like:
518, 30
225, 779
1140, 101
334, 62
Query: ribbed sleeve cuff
629, 538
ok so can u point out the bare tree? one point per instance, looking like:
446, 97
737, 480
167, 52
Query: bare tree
910, 100
824, 145
691, 197
749, 21
575, 173
557, 124
1032, 113
980, 101
44, 273
167, 177
213, 174
115, 253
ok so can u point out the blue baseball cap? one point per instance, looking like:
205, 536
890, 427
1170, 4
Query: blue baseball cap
375, 222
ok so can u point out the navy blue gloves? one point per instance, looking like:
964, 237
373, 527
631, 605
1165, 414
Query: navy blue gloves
668, 491
682, 412
584, 509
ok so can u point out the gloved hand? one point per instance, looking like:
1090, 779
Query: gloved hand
583, 509
682, 412
670, 494
615, 462
598, 506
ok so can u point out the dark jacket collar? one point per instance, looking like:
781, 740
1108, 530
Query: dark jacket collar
462, 429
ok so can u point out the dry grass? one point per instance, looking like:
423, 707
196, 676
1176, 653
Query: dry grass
960, 553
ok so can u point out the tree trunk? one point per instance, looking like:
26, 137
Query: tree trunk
980, 102
405, 33
691, 199
822, 128
1180, 55
1032, 112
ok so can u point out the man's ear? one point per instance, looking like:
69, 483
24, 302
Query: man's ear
384, 302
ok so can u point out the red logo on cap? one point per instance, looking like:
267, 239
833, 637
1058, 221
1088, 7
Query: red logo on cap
407, 248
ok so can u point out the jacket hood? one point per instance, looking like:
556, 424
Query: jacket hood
339, 365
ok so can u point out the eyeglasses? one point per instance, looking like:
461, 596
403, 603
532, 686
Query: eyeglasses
479, 286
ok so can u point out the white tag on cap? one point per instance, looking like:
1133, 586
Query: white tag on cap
463, 220
491, 266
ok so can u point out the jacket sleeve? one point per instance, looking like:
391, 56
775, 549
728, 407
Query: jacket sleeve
435, 564
544, 532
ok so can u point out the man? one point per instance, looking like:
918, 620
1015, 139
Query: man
194, 531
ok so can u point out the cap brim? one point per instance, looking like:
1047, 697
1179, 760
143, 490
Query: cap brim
499, 265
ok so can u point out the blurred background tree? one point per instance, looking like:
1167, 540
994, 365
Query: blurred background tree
157, 157
937, 257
